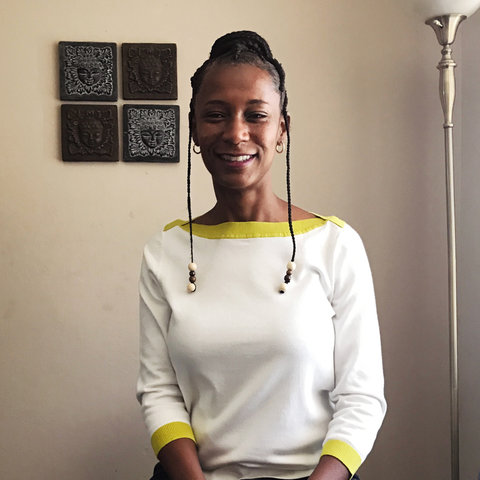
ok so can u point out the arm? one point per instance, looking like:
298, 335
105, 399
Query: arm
179, 459
330, 468
163, 406
357, 397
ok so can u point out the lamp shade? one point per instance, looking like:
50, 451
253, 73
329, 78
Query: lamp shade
427, 9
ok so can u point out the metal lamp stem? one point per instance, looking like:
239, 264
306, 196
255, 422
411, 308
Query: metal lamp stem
445, 28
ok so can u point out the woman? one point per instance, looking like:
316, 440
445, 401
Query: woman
238, 381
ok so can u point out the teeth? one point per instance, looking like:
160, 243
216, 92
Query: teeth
237, 158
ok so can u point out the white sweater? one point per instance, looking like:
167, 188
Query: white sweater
264, 382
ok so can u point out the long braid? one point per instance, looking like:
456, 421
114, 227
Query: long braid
243, 47
192, 267
289, 193
189, 176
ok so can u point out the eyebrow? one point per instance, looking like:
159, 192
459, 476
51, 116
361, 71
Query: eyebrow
250, 102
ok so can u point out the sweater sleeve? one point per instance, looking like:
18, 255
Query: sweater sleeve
357, 397
158, 393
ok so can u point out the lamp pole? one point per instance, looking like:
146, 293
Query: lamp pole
445, 27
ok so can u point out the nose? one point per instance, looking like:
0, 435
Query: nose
236, 130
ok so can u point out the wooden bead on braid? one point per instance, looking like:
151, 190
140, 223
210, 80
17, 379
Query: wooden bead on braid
288, 276
191, 287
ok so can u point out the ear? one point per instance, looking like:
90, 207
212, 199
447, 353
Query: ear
193, 129
282, 132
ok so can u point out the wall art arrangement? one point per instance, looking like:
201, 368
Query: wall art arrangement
88, 73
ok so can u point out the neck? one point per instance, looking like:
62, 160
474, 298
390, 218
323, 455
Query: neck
245, 206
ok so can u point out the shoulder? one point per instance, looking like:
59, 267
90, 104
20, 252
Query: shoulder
349, 247
339, 235
156, 243
169, 227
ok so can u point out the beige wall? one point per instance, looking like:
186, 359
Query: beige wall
367, 146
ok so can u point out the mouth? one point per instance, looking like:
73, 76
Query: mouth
236, 158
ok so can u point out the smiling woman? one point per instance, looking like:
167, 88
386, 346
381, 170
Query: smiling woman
237, 125
237, 381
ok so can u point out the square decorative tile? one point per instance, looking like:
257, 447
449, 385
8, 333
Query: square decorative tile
149, 71
89, 133
88, 71
151, 133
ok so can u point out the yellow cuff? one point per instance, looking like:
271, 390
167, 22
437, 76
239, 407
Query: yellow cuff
343, 452
170, 432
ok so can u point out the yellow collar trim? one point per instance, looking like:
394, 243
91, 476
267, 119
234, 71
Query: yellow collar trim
253, 229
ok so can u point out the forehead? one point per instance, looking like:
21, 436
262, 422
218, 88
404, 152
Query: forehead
237, 83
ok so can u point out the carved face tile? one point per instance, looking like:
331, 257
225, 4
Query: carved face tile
149, 71
89, 133
152, 137
88, 71
90, 75
150, 133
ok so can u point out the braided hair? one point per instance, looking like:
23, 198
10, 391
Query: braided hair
242, 47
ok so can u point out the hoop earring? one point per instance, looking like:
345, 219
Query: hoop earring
280, 147
198, 151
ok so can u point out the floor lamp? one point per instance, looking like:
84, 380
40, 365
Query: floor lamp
444, 16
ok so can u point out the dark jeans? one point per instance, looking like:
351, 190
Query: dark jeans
159, 474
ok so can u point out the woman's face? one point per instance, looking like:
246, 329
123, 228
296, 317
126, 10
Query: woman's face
238, 124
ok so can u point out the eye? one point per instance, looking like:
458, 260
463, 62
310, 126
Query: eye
256, 116
214, 116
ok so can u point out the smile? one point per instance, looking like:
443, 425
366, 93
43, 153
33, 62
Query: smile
236, 158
